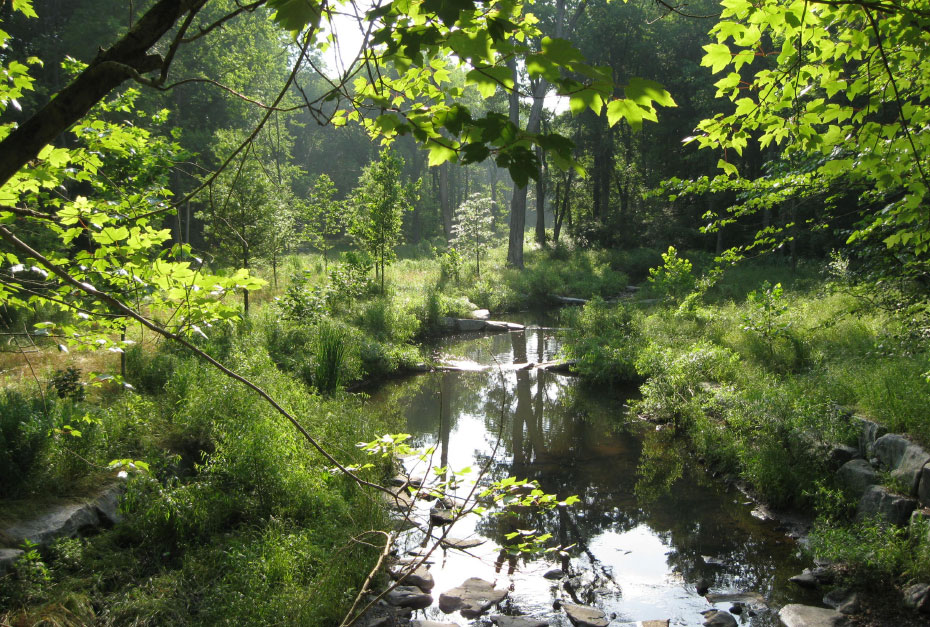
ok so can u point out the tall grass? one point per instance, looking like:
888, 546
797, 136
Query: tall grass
331, 347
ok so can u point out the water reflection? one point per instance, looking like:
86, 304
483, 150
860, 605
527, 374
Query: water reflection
649, 525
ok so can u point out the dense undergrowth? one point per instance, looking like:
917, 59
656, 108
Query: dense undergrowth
761, 370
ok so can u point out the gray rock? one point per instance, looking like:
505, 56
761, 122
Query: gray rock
796, 615
498, 325
440, 516
842, 600
569, 300
892, 508
903, 458
554, 573
398, 500
67, 520
868, 432
582, 616
107, 503
472, 599
467, 325
923, 486
462, 543
409, 596
8, 557
917, 597
481, 314
518, 621
420, 577
841, 453
805, 580
702, 586
751, 599
643, 623
856, 476
430, 623
718, 618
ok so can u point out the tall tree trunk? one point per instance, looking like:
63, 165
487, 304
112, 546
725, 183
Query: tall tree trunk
445, 202
541, 198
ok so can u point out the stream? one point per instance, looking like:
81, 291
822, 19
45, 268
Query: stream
651, 522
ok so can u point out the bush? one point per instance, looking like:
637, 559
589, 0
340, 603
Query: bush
605, 340
24, 436
673, 280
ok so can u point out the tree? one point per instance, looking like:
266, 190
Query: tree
380, 201
474, 228
324, 216
839, 88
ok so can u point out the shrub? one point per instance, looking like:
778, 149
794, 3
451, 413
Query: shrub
24, 427
673, 280
605, 341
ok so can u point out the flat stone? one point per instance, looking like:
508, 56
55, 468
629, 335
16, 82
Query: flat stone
752, 599
8, 557
499, 325
481, 314
569, 300
643, 623
462, 543
892, 508
554, 573
903, 458
420, 577
856, 476
518, 621
805, 580
409, 596
398, 500
869, 431
68, 520
582, 616
917, 597
430, 623
719, 618
796, 615
472, 599
440, 516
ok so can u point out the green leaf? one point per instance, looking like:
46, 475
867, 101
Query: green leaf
488, 79
440, 153
627, 110
295, 15
645, 92
717, 57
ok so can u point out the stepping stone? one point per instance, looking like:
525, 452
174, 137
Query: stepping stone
430, 623
420, 577
716, 618
472, 599
582, 616
752, 599
409, 596
518, 621
462, 543
441, 517
555, 573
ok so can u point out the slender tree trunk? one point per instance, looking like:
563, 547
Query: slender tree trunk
445, 202
541, 199
245, 293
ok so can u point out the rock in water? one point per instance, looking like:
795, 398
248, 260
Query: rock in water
555, 573
462, 543
441, 517
582, 616
718, 618
518, 621
702, 586
409, 596
472, 599
420, 577
796, 615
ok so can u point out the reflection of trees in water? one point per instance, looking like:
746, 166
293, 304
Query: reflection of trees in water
573, 440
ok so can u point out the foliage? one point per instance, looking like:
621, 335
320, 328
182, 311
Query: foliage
472, 231
380, 201
324, 217
673, 280
67, 383
605, 341
331, 349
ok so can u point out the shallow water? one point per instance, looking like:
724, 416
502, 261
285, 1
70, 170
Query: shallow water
650, 522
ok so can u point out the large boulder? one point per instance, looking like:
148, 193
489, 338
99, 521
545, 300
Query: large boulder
903, 458
923, 486
472, 599
796, 615
856, 476
889, 507
582, 616
65, 520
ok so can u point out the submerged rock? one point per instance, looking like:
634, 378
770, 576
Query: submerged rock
518, 621
718, 618
796, 615
582, 616
472, 599
751, 599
